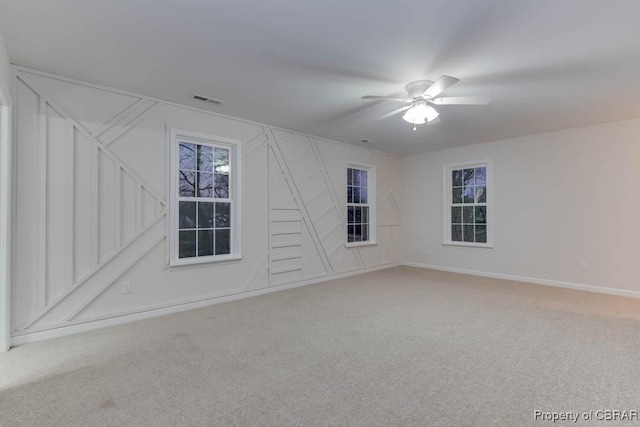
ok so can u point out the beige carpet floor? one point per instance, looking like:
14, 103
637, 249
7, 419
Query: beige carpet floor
396, 347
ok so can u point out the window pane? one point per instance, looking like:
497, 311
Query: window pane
205, 215
468, 233
187, 184
205, 158
187, 215
356, 195
481, 176
456, 215
223, 215
358, 215
467, 215
468, 195
456, 233
349, 176
187, 244
363, 178
221, 160
481, 215
365, 214
456, 178
457, 195
205, 184
481, 194
187, 154
365, 232
221, 186
350, 233
223, 242
363, 195
349, 194
357, 233
350, 214
205, 242
468, 177
481, 233
356, 177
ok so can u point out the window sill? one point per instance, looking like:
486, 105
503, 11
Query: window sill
469, 245
195, 262
358, 244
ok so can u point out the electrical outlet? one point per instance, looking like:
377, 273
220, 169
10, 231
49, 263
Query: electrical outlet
584, 265
125, 287
429, 251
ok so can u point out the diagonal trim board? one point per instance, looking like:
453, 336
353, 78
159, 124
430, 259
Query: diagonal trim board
112, 134
254, 144
305, 212
388, 192
69, 291
334, 197
88, 135
74, 126
309, 174
109, 123
109, 282
155, 241
262, 268
327, 180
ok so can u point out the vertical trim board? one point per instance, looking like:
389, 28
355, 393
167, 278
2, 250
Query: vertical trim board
42, 226
95, 202
70, 204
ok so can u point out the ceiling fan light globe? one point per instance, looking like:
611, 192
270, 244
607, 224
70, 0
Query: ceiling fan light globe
420, 113
415, 120
431, 113
411, 117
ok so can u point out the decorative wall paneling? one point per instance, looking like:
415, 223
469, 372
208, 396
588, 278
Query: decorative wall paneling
91, 211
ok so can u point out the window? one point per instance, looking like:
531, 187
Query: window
467, 194
204, 198
361, 224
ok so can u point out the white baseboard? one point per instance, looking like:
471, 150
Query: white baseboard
545, 282
178, 307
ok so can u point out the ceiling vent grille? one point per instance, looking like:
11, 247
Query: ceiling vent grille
206, 99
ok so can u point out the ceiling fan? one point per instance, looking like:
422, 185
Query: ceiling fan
422, 97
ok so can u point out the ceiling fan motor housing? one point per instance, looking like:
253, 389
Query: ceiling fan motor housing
417, 88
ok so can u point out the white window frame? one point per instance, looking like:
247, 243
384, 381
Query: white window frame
371, 197
448, 203
235, 195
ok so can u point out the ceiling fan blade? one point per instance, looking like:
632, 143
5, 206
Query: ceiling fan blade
462, 100
393, 113
385, 98
439, 86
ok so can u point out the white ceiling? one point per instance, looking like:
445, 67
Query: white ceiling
303, 65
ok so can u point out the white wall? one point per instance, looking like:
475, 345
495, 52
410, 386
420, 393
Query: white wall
5, 195
5, 75
559, 198
92, 190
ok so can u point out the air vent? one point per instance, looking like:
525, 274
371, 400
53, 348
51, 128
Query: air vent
206, 99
